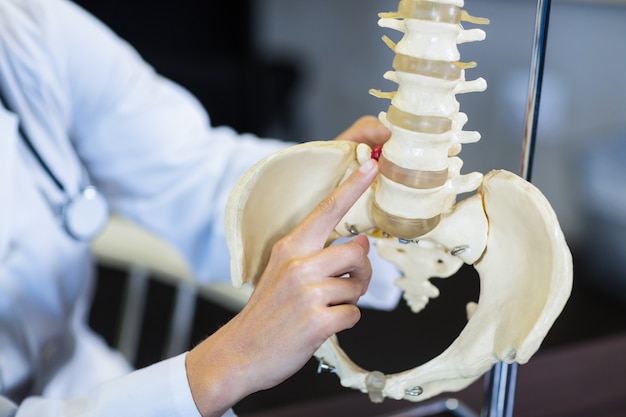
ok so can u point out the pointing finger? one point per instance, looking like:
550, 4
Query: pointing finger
320, 223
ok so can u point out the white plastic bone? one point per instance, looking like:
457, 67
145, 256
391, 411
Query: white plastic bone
431, 148
411, 203
525, 279
418, 262
507, 229
275, 195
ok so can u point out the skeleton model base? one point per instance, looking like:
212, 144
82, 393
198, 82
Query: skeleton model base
507, 229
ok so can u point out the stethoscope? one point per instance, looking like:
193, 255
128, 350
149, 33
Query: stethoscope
82, 216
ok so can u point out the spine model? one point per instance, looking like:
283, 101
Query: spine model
420, 173
506, 230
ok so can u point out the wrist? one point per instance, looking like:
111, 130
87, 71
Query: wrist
216, 376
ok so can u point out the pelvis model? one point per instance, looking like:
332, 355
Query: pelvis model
507, 229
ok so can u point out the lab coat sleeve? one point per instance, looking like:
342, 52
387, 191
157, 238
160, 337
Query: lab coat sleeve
7, 408
158, 390
150, 147
146, 142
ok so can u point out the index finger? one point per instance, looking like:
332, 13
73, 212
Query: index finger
319, 224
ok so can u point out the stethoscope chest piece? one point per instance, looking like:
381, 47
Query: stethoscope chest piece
85, 215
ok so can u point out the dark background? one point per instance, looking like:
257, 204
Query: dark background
207, 46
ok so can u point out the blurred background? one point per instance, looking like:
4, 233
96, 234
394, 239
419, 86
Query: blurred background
301, 70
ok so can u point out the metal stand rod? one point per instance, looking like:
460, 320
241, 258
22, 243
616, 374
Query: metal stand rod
500, 391
534, 90
501, 381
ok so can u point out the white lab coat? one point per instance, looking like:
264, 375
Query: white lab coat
97, 114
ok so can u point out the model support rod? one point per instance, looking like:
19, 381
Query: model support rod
501, 382
534, 90
500, 391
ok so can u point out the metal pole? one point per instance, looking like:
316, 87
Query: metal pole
500, 391
534, 90
501, 382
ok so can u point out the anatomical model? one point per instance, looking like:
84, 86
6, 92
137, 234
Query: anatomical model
507, 229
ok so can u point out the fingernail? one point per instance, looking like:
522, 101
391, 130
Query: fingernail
367, 166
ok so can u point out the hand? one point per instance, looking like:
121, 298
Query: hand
368, 130
306, 294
